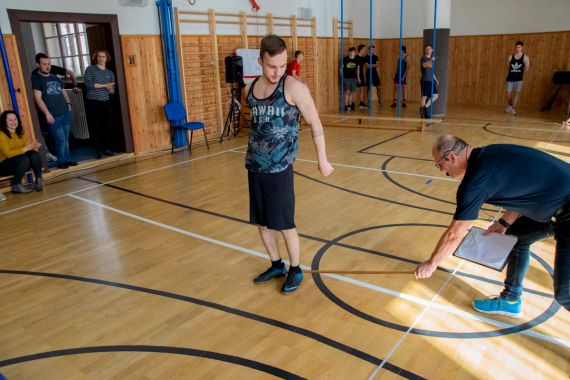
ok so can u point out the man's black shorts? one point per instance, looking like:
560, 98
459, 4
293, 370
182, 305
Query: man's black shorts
272, 199
426, 88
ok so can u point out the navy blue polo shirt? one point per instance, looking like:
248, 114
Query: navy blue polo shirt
517, 178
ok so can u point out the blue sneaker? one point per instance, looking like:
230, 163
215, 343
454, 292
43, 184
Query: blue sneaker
292, 282
498, 305
269, 274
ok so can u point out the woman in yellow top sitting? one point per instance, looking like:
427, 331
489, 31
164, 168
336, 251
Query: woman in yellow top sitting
17, 155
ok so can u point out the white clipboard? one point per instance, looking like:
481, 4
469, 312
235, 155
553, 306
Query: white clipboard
491, 251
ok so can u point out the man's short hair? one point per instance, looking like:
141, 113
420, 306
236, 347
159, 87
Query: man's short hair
40, 56
426, 45
404, 49
272, 45
298, 53
360, 47
450, 143
351, 49
519, 43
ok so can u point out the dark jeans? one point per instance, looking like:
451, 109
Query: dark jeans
17, 166
528, 232
100, 116
60, 133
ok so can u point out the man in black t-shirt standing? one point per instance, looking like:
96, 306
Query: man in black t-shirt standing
349, 66
361, 86
60, 72
519, 63
55, 107
375, 77
534, 189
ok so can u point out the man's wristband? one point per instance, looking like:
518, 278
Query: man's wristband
503, 223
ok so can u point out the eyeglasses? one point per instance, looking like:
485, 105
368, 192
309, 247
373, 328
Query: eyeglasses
437, 163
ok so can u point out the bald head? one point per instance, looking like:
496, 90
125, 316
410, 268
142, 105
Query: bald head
449, 143
448, 155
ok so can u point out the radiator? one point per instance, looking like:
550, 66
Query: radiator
79, 128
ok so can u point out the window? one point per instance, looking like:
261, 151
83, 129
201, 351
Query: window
66, 44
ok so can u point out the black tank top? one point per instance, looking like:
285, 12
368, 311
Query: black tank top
516, 69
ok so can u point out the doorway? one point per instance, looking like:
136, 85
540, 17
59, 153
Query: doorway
70, 39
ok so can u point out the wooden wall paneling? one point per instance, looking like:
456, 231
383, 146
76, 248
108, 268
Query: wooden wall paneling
270, 29
327, 55
18, 81
199, 85
5, 100
243, 29
180, 57
146, 90
294, 44
478, 68
316, 71
213, 34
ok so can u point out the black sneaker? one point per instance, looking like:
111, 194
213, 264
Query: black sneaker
345, 109
62, 165
404, 105
270, 274
362, 104
393, 105
422, 114
352, 106
72, 163
292, 282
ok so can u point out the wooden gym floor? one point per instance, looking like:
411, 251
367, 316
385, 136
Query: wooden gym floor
143, 269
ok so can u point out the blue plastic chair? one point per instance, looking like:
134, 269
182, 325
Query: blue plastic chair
176, 114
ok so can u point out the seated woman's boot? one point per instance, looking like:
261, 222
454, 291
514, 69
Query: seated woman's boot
20, 189
39, 184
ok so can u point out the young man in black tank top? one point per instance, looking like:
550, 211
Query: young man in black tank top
519, 63
275, 101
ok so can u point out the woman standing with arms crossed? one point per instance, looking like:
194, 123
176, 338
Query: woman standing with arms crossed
100, 83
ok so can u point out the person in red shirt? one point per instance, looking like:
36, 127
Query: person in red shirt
294, 67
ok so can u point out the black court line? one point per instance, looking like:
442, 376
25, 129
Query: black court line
230, 310
547, 314
157, 349
387, 176
486, 128
384, 141
396, 156
310, 237
372, 196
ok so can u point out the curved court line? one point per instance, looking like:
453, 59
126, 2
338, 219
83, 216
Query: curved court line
315, 238
384, 141
505, 329
248, 363
486, 129
370, 196
386, 174
230, 310
341, 278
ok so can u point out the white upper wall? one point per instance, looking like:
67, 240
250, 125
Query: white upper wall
468, 17
144, 20
385, 17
